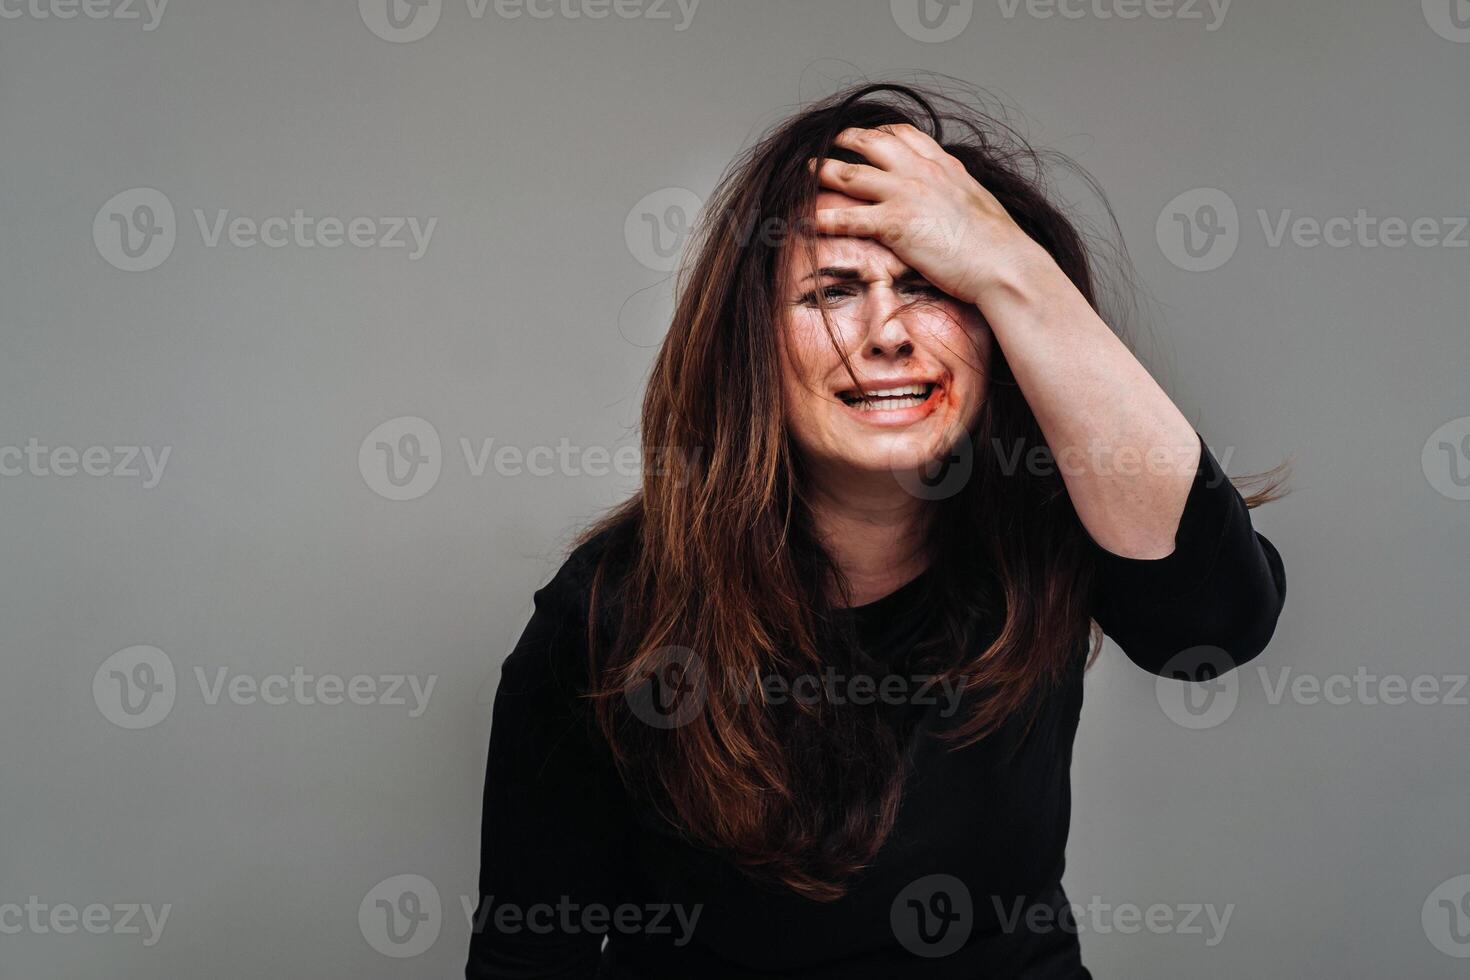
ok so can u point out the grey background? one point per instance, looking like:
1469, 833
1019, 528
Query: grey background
530, 319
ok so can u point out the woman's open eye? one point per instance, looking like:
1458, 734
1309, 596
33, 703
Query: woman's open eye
829, 293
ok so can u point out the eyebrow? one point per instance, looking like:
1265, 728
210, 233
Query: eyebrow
847, 273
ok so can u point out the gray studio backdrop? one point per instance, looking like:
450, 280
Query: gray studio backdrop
323, 326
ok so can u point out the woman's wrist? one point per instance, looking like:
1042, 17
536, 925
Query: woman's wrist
1019, 283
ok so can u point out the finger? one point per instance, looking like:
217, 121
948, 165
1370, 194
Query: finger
879, 147
854, 179
917, 140
858, 222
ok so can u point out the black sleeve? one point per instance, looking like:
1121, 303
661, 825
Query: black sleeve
1223, 586
554, 818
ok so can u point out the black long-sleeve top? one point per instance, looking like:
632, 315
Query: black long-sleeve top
967, 885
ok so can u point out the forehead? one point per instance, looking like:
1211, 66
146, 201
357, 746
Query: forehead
838, 250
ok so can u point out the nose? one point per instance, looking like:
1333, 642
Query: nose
886, 331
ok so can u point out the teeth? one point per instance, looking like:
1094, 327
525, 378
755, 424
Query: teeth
889, 404
904, 396
919, 390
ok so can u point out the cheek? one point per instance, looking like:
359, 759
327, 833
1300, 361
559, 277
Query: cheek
798, 367
960, 336
809, 352
965, 341
977, 372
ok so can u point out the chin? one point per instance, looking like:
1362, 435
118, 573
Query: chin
900, 455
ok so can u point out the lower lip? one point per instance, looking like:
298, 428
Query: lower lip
897, 417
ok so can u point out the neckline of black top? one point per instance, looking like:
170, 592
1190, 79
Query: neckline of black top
897, 599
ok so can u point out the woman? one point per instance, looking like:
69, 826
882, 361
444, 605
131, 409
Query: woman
805, 705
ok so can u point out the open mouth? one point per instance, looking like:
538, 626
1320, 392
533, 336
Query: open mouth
888, 399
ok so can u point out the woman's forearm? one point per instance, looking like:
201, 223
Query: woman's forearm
1125, 451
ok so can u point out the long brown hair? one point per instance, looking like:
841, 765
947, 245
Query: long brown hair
716, 558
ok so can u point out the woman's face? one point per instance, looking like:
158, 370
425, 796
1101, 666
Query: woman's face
925, 365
